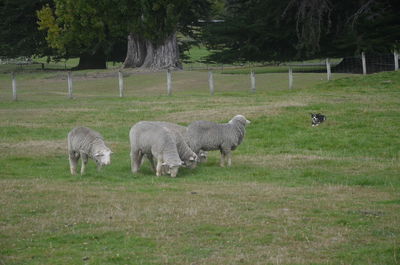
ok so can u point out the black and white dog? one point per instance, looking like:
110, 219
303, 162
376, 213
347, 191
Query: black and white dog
317, 118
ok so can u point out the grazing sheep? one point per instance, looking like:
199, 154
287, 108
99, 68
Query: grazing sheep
207, 135
202, 155
154, 141
186, 154
83, 143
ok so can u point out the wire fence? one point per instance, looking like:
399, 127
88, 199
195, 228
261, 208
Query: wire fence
209, 80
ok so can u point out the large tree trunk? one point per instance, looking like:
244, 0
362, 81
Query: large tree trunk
92, 61
136, 52
145, 54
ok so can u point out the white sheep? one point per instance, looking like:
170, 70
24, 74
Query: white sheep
189, 158
208, 136
155, 142
83, 143
202, 155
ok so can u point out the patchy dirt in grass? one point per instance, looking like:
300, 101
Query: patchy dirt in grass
292, 160
34, 148
252, 221
226, 113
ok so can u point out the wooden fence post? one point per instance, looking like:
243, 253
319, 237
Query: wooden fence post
328, 69
14, 87
211, 82
70, 86
253, 81
121, 84
169, 82
396, 61
290, 78
364, 63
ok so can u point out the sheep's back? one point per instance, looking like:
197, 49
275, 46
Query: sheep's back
144, 136
81, 138
205, 135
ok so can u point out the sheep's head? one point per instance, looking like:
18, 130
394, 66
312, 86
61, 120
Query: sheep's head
202, 156
241, 119
172, 168
103, 157
192, 161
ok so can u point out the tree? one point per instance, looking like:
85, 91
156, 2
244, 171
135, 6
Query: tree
82, 28
152, 40
302, 29
19, 35
253, 30
91, 28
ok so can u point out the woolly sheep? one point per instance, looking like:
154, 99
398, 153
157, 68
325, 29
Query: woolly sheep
186, 154
208, 136
155, 142
202, 155
83, 143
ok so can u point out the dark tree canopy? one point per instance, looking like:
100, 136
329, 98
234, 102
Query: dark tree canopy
19, 35
85, 29
279, 30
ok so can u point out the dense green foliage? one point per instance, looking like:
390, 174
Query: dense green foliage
98, 27
274, 30
19, 35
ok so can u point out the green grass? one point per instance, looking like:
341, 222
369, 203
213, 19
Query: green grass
295, 194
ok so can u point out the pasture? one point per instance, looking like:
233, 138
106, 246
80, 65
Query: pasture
295, 194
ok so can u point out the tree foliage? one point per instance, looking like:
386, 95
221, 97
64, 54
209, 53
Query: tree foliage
76, 27
19, 35
91, 26
279, 30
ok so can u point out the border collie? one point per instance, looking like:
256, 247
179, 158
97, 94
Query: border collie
317, 118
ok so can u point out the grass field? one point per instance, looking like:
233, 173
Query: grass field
295, 194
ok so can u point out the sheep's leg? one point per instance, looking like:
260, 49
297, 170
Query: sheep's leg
228, 156
159, 167
136, 160
73, 162
84, 162
222, 162
152, 163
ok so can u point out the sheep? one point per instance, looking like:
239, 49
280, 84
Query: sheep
186, 154
154, 141
83, 143
208, 136
202, 155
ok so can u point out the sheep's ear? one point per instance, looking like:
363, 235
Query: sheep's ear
192, 158
164, 164
248, 122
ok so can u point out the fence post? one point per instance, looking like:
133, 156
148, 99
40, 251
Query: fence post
121, 84
396, 61
70, 87
169, 82
14, 86
211, 82
290, 78
328, 69
364, 63
253, 81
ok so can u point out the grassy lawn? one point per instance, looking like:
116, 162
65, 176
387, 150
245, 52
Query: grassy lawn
295, 194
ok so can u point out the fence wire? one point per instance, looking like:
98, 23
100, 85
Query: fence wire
45, 85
